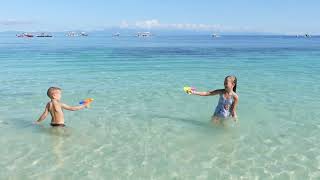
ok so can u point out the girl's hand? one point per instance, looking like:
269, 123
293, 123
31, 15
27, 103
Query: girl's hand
234, 116
235, 119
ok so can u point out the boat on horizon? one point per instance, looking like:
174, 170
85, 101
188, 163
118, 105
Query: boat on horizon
44, 35
72, 34
83, 34
144, 34
116, 34
25, 35
76, 34
215, 35
305, 35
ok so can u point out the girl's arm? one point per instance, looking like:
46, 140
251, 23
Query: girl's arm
43, 115
73, 108
209, 93
234, 107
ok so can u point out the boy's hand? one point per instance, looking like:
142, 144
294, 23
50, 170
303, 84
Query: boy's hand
36, 122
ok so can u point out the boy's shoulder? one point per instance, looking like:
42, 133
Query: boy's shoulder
53, 102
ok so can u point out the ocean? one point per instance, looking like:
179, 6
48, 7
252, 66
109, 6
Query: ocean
142, 125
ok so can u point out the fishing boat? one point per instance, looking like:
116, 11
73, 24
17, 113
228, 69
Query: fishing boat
83, 34
215, 36
43, 35
72, 34
116, 34
76, 34
25, 35
304, 35
307, 35
143, 34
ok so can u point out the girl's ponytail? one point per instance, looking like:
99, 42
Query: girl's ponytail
235, 84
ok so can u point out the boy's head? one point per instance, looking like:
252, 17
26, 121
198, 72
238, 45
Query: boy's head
54, 93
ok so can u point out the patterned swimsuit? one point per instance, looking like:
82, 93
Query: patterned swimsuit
223, 107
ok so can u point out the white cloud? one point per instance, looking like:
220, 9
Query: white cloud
124, 24
149, 24
156, 24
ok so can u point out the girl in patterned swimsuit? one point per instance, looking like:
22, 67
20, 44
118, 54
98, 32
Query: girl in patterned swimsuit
228, 100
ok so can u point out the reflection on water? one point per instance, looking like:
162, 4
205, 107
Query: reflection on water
58, 138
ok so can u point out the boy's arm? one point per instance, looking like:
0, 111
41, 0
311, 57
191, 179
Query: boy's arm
73, 108
209, 93
43, 115
234, 107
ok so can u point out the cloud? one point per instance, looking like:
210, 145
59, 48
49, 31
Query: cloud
156, 24
13, 22
149, 24
124, 24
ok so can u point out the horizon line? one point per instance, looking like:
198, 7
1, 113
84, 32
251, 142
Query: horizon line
173, 32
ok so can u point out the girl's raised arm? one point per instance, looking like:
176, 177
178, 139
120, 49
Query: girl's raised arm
209, 93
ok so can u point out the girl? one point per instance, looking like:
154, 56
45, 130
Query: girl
228, 100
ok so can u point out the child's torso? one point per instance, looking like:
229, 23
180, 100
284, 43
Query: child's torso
56, 115
224, 104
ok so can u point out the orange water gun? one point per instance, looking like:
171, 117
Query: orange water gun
87, 101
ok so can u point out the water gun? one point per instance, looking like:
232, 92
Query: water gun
189, 90
86, 101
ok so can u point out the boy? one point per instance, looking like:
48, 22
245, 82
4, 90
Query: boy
55, 108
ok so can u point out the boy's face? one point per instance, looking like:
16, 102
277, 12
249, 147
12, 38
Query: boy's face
56, 94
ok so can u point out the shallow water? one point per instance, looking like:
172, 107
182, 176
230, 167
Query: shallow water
142, 125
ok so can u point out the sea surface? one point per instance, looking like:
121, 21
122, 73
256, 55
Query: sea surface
142, 125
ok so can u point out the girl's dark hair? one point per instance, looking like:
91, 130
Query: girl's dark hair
234, 80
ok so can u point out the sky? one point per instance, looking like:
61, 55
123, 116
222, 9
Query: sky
265, 16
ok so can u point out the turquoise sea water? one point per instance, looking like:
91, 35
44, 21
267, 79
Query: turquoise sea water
142, 125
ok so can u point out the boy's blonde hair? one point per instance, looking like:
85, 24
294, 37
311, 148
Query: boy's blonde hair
51, 90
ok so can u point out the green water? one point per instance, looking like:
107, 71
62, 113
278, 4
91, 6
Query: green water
142, 125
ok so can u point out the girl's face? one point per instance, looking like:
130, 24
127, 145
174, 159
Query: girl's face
228, 84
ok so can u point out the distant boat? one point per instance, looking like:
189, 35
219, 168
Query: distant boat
307, 35
76, 34
144, 34
83, 34
116, 35
24, 35
215, 36
43, 35
72, 34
